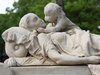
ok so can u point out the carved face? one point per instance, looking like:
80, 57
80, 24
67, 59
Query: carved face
34, 22
31, 22
50, 16
52, 12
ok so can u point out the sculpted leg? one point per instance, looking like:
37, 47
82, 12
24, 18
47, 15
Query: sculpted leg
51, 51
62, 58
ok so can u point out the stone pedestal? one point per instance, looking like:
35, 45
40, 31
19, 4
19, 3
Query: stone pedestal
4, 70
51, 70
95, 69
44, 70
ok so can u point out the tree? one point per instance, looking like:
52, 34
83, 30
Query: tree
85, 13
60, 3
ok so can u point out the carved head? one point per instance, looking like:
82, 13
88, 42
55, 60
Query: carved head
52, 12
31, 22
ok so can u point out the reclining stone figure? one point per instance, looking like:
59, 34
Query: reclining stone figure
55, 48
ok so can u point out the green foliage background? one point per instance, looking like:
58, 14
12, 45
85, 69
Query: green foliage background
85, 13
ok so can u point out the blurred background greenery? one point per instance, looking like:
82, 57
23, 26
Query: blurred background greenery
85, 13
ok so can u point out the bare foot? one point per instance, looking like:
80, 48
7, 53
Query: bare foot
10, 62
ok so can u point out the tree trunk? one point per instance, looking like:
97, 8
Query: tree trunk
60, 3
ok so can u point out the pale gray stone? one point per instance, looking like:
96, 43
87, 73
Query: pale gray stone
95, 69
59, 47
4, 70
52, 70
73, 46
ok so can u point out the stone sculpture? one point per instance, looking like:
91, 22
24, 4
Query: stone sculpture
65, 43
21, 40
58, 22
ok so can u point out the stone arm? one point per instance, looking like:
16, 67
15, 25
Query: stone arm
60, 26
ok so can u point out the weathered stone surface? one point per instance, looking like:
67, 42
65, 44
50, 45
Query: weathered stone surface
95, 69
52, 70
72, 46
4, 70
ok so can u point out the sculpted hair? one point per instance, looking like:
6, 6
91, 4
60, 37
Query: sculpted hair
24, 22
55, 8
31, 21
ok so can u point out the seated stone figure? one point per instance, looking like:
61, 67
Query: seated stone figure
58, 22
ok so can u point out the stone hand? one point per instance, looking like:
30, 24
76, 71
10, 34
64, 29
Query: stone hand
41, 30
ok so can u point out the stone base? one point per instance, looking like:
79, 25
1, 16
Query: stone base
44, 70
4, 70
95, 69
51, 70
